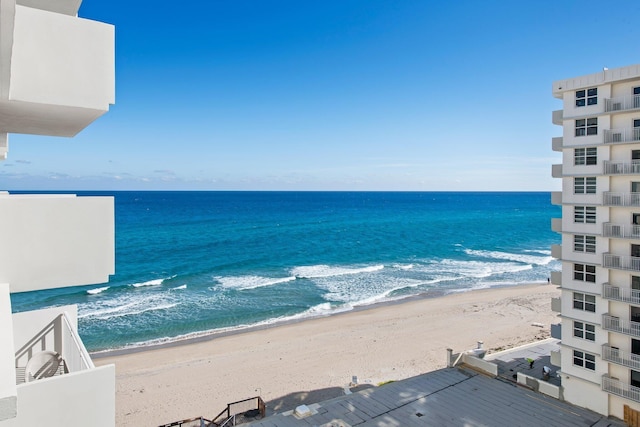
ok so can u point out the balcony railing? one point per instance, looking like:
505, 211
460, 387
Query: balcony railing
621, 168
614, 293
619, 357
621, 262
610, 198
628, 231
630, 102
616, 324
614, 136
617, 387
60, 337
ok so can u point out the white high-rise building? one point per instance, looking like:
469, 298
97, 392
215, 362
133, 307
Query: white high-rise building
600, 250
57, 75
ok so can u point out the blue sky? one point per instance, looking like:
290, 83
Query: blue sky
331, 95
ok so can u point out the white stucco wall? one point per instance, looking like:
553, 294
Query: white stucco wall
54, 241
8, 391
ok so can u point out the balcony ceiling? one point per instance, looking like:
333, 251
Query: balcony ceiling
67, 7
45, 119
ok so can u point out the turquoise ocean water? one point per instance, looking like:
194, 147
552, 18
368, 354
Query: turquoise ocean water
188, 263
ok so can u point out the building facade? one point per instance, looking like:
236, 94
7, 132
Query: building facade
57, 75
600, 229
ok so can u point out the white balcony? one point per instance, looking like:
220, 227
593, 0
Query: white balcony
556, 171
556, 117
556, 143
69, 388
614, 293
623, 103
556, 305
56, 241
621, 168
621, 136
58, 71
556, 278
556, 225
614, 355
623, 231
556, 198
616, 324
621, 262
556, 251
617, 387
610, 198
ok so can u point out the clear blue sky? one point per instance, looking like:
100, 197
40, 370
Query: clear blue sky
331, 95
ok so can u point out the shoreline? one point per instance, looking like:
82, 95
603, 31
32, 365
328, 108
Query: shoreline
214, 334
313, 360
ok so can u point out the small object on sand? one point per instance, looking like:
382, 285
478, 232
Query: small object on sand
538, 324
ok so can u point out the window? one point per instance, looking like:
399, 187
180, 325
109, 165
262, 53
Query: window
586, 360
587, 97
584, 273
585, 156
587, 126
584, 185
583, 243
584, 214
636, 97
584, 330
584, 302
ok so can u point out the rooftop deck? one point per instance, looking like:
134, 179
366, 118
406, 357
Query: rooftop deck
454, 397
446, 397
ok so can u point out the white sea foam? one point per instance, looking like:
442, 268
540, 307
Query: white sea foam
251, 282
97, 291
527, 259
403, 266
179, 287
320, 271
126, 304
155, 282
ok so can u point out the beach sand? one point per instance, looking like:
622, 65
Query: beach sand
313, 360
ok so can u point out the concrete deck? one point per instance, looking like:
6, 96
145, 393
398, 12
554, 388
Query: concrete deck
446, 397
512, 361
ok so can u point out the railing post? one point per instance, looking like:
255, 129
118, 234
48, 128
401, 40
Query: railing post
449, 357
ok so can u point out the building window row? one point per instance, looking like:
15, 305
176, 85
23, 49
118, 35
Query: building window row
585, 156
584, 243
585, 331
587, 97
584, 185
587, 127
584, 302
584, 214
586, 360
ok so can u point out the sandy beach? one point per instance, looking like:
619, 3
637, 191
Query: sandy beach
315, 359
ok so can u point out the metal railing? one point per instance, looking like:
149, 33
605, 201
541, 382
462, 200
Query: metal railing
614, 355
58, 336
621, 168
629, 102
74, 352
622, 135
621, 262
617, 387
610, 198
615, 324
615, 293
627, 231
239, 412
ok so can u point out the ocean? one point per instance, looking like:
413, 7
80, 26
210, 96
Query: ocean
191, 263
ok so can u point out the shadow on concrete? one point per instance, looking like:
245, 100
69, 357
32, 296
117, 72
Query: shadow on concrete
292, 400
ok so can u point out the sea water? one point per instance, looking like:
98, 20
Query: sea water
189, 263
